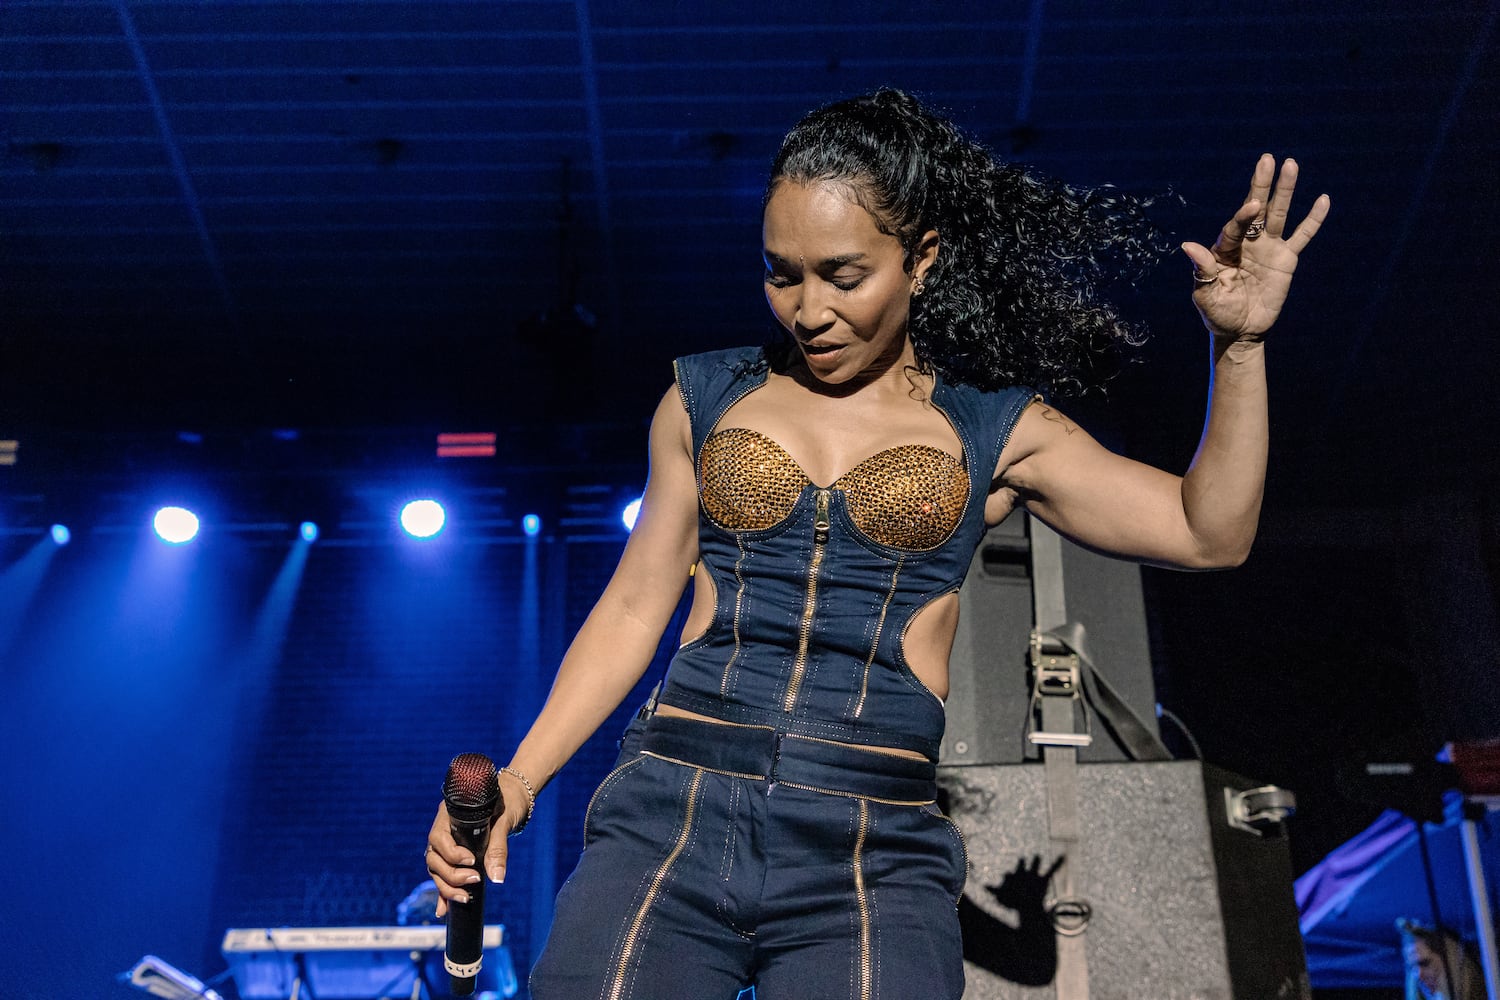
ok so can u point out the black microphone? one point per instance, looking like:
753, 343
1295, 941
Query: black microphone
470, 792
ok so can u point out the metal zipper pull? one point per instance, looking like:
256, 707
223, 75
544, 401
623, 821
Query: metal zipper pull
820, 521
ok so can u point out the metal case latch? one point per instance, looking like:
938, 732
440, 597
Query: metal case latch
1056, 690
1259, 810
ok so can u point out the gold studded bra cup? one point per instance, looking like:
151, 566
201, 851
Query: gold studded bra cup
908, 497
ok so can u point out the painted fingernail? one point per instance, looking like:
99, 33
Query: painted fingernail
462, 897
467, 862
471, 879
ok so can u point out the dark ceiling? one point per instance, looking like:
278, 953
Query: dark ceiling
350, 213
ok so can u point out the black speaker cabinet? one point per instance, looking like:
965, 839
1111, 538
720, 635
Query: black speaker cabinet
1185, 904
989, 692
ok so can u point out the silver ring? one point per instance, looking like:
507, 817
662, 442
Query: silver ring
1201, 280
1255, 228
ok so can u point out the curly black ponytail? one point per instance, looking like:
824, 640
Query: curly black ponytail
1013, 297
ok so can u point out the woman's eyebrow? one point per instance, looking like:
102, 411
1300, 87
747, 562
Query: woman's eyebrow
828, 262
842, 259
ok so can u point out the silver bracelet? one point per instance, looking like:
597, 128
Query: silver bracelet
530, 796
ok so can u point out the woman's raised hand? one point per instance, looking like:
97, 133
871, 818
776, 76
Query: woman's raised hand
1242, 281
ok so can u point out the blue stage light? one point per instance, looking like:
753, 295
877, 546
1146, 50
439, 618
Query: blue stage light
631, 512
61, 535
175, 525
423, 518
309, 531
532, 525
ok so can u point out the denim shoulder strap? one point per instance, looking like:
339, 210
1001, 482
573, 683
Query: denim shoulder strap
984, 421
710, 383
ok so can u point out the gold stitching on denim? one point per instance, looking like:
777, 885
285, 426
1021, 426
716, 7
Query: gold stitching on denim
700, 767
854, 795
608, 779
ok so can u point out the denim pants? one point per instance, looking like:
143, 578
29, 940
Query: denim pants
719, 857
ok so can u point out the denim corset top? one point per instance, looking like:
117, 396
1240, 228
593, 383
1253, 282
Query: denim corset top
814, 586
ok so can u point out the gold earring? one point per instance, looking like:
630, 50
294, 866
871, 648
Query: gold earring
919, 287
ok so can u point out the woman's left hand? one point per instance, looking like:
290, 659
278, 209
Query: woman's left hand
1242, 281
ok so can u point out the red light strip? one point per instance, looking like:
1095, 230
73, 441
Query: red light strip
476, 445
465, 450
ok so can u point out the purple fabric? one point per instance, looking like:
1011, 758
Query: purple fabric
1350, 900
1329, 885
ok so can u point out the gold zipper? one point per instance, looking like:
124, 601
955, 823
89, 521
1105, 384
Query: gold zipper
864, 684
633, 937
963, 845
809, 605
865, 985
739, 601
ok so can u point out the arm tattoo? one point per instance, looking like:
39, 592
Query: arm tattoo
1048, 413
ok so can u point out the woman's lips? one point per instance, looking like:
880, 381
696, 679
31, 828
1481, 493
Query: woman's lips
821, 350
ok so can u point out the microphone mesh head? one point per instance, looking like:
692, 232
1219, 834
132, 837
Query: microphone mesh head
470, 789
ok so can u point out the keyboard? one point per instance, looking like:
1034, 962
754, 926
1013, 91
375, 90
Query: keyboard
300, 940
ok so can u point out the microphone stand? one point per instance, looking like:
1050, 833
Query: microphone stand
301, 984
1479, 895
421, 988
